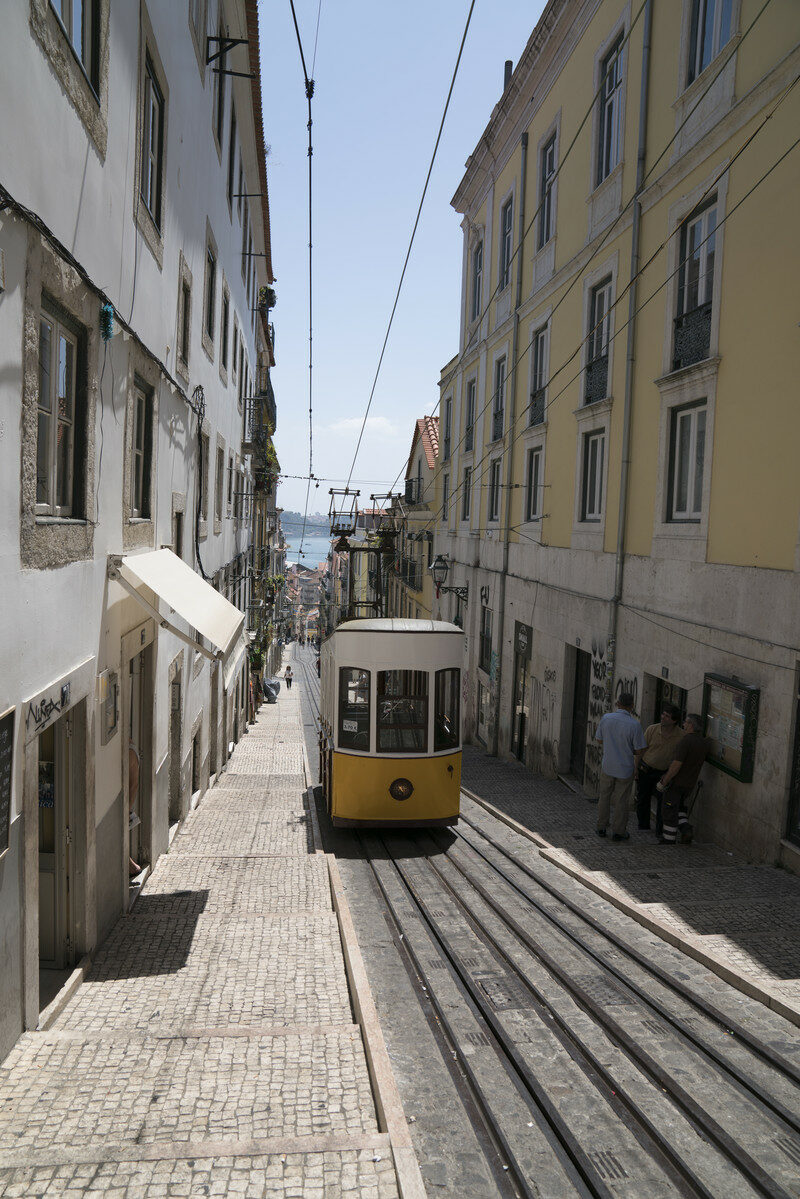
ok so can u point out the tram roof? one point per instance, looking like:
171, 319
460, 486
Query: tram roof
397, 624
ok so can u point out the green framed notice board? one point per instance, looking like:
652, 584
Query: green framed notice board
730, 720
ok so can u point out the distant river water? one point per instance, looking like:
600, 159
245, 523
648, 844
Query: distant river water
315, 549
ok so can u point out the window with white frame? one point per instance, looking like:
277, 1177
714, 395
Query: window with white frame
594, 445
80, 20
506, 242
223, 341
469, 416
499, 399
687, 447
710, 31
141, 452
152, 148
477, 281
211, 292
598, 341
609, 146
466, 489
56, 423
232, 158
695, 286
533, 483
218, 66
219, 482
445, 497
538, 375
547, 173
494, 490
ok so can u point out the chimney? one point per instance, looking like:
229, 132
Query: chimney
509, 67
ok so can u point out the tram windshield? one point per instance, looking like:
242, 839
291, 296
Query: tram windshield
353, 708
446, 717
402, 711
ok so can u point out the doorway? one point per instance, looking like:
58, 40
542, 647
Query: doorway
580, 713
137, 750
668, 693
523, 642
55, 849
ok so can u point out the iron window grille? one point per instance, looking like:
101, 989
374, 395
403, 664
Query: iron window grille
596, 384
692, 341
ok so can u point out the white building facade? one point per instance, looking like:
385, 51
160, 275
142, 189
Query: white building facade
134, 241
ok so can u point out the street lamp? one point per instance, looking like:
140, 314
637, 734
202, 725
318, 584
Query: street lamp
440, 568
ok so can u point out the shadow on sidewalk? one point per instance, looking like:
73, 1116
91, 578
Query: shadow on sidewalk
751, 910
155, 939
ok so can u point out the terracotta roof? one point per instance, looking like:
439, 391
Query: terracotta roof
428, 431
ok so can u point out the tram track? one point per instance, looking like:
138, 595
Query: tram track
729, 1133
594, 1069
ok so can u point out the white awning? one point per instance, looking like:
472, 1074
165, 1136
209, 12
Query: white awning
177, 586
234, 659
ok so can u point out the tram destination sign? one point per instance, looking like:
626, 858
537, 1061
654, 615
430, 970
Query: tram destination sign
6, 774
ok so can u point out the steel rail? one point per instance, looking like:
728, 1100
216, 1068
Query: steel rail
703, 1121
584, 1184
742, 1034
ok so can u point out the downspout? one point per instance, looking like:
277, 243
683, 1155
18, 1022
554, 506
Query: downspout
624, 481
512, 413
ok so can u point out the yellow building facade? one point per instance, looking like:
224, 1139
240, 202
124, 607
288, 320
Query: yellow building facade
410, 584
619, 490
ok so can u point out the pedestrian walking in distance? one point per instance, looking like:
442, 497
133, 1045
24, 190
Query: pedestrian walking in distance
651, 763
287, 674
679, 779
621, 736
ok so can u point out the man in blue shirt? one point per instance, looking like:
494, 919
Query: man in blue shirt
621, 736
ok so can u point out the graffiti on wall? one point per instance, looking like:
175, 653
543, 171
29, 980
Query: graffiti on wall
631, 685
597, 703
544, 709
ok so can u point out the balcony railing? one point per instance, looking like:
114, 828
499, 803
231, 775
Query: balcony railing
446, 449
596, 380
469, 438
536, 410
497, 424
413, 489
692, 337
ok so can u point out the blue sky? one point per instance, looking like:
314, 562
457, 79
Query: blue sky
381, 76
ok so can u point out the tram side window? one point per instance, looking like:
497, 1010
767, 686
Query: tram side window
446, 715
353, 708
402, 711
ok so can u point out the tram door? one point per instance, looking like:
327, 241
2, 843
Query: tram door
55, 796
580, 713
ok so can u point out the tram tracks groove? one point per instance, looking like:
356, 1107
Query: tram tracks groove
777, 1123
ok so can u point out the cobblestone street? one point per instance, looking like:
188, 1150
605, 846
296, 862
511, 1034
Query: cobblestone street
212, 1049
738, 918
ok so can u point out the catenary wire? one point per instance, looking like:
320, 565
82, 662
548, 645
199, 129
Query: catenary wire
579, 275
485, 459
411, 241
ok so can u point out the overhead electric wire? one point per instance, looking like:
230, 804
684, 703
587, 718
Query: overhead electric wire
309, 88
411, 240
580, 274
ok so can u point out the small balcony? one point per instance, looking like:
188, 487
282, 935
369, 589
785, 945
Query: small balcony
596, 387
536, 410
469, 439
692, 337
497, 424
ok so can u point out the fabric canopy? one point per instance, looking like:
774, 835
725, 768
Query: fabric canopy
186, 593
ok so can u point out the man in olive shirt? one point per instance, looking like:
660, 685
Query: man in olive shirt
651, 763
681, 776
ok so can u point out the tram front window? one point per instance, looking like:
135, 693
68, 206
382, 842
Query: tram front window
446, 717
402, 711
353, 708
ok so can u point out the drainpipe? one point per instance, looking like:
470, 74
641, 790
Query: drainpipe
512, 409
619, 568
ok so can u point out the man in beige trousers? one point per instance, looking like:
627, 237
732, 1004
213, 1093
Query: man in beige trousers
621, 736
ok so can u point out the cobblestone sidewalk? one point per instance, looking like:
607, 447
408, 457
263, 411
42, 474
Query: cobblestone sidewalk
212, 1048
740, 918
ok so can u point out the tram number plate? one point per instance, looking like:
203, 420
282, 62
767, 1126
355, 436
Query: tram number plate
349, 726
503, 992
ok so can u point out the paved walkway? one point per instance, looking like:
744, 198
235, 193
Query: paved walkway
212, 1049
741, 920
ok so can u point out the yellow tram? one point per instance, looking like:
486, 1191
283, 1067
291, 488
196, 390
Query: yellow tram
390, 738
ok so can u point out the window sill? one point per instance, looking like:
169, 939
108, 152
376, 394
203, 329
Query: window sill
148, 229
697, 372
706, 100
208, 346
590, 411
532, 430
605, 202
61, 521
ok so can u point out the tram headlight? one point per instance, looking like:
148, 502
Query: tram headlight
401, 789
